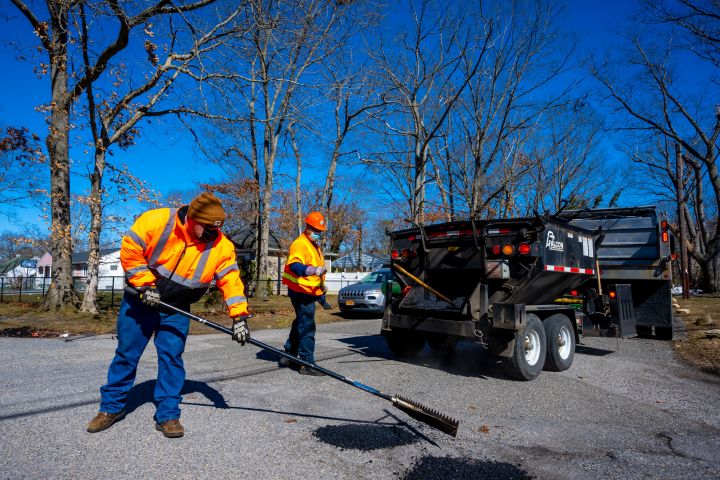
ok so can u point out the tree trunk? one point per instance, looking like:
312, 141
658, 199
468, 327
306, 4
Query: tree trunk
61, 294
710, 275
89, 303
270, 149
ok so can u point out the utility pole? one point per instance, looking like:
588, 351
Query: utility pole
684, 273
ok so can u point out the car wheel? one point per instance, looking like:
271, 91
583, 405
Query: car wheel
560, 337
405, 343
528, 357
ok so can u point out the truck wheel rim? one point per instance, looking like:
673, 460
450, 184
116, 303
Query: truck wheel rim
532, 347
564, 342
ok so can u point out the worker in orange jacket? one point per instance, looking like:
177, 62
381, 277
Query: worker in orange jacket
304, 276
173, 256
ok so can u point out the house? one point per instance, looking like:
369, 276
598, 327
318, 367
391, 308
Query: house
110, 272
357, 262
18, 270
44, 266
19, 267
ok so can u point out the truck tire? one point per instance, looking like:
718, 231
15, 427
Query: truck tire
405, 343
663, 333
441, 343
643, 331
528, 356
560, 336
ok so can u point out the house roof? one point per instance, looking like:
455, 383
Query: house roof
245, 239
365, 260
82, 257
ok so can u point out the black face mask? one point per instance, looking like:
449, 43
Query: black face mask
209, 234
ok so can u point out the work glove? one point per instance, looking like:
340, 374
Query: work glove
241, 331
150, 296
323, 288
319, 271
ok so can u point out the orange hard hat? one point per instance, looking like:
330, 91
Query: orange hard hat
316, 221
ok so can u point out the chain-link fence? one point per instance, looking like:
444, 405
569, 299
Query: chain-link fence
110, 289
33, 289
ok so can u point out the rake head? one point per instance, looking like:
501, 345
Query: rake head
427, 415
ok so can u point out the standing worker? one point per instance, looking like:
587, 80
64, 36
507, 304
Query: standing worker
304, 277
169, 255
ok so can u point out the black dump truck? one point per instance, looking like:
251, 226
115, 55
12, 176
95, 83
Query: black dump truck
631, 293
521, 287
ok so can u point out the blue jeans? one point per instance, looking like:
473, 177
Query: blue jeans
136, 323
301, 342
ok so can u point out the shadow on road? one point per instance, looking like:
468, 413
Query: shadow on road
595, 352
467, 359
142, 393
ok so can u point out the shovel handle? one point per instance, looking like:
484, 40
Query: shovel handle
421, 283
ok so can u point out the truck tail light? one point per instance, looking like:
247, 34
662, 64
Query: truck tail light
508, 249
573, 293
665, 237
524, 249
405, 254
612, 294
496, 249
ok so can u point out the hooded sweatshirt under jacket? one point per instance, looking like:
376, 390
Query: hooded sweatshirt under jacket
160, 251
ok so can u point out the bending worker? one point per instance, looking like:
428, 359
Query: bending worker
169, 255
304, 276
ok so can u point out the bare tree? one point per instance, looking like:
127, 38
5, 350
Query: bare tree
354, 98
509, 104
114, 118
21, 161
53, 28
569, 170
424, 79
651, 100
283, 42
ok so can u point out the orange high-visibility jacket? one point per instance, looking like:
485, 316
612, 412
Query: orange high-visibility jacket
159, 250
302, 250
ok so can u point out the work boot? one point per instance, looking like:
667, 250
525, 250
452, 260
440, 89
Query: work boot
171, 428
303, 370
284, 362
103, 421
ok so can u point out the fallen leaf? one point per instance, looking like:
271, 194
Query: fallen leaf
484, 429
291, 420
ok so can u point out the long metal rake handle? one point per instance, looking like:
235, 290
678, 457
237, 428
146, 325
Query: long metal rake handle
416, 410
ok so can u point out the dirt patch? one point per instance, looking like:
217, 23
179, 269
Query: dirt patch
27, 332
699, 349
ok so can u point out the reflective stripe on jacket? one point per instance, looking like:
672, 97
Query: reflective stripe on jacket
159, 250
304, 251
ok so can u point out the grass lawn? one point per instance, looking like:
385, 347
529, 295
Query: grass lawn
26, 319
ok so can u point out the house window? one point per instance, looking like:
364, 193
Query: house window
113, 267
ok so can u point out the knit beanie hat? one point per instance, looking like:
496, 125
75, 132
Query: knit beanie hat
207, 209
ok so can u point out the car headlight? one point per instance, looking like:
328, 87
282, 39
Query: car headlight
372, 292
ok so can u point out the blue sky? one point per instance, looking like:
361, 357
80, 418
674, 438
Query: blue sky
167, 158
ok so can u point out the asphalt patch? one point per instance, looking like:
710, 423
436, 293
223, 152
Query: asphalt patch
365, 437
464, 468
